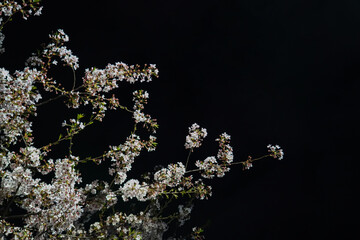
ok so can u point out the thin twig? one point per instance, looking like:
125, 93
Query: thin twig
187, 159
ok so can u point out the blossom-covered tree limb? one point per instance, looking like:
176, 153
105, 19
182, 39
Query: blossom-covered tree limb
49, 197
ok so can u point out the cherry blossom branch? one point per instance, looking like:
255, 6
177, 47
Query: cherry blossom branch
57, 208
234, 163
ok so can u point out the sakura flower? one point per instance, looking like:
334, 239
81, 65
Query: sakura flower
225, 153
209, 166
195, 137
171, 175
139, 116
133, 189
275, 151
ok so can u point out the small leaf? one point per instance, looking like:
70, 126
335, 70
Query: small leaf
79, 116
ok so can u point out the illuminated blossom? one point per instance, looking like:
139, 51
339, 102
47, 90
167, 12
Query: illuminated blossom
195, 137
276, 151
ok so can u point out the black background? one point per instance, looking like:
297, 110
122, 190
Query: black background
279, 72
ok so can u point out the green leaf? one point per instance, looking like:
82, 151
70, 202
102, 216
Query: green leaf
79, 116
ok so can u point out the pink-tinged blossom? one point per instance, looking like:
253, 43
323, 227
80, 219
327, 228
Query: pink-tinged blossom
18, 182
17, 101
130, 226
209, 167
202, 191
195, 137
170, 176
133, 189
74, 123
65, 55
111, 198
95, 227
8, 230
123, 156
6, 159
56, 206
47, 167
275, 151
140, 99
56, 48
99, 195
103, 80
139, 116
32, 156
248, 165
212, 166
59, 36
91, 187
225, 153
9, 8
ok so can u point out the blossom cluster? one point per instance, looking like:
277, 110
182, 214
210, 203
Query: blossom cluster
248, 163
210, 166
98, 82
17, 102
140, 99
133, 189
120, 223
61, 199
225, 153
98, 194
276, 151
103, 80
123, 156
170, 176
195, 137
28, 8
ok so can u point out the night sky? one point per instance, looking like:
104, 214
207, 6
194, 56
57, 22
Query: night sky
279, 72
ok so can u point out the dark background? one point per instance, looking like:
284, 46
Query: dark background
279, 72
